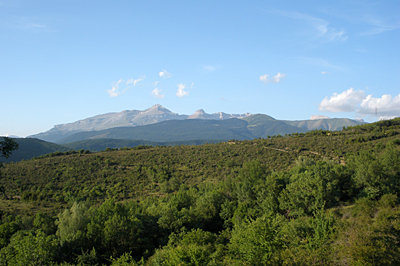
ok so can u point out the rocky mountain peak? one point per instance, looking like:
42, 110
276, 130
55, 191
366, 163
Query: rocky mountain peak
200, 111
157, 109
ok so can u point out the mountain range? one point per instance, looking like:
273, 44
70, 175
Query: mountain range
127, 118
157, 123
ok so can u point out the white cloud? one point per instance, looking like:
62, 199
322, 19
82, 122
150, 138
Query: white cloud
386, 106
324, 72
275, 79
114, 91
356, 101
264, 78
191, 86
157, 93
343, 102
164, 74
155, 83
180, 93
134, 81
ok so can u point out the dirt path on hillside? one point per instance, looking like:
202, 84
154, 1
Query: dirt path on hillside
342, 162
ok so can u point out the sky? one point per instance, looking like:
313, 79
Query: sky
66, 60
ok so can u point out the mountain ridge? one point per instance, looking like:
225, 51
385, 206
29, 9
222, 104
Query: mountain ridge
260, 124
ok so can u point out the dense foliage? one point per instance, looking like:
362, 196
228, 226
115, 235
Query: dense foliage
315, 198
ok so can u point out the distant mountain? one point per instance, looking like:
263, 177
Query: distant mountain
154, 114
201, 114
333, 124
248, 128
132, 118
172, 130
109, 126
30, 147
263, 126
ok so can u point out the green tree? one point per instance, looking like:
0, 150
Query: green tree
255, 242
115, 229
7, 145
316, 187
27, 248
72, 222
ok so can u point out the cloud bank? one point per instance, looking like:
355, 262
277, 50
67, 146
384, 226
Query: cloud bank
275, 79
343, 102
357, 101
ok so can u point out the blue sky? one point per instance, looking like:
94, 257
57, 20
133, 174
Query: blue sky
65, 60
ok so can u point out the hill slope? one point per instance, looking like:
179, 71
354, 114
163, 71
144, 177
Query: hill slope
31, 147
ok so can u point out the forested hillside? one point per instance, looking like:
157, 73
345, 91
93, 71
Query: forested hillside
314, 198
30, 147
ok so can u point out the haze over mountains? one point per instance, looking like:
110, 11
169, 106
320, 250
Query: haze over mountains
160, 124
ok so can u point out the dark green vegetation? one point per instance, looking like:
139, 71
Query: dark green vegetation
7, 145
30, 147
314, 198
102, 144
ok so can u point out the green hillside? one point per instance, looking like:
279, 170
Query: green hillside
315, 198
31, 147
102, 144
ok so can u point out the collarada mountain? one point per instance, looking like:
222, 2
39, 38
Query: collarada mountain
160, 124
